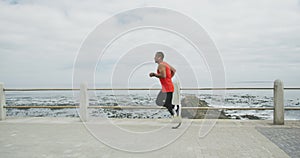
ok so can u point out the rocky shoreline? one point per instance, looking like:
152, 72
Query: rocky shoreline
188, 100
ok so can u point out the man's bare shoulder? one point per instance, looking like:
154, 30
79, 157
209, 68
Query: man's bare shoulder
161, 65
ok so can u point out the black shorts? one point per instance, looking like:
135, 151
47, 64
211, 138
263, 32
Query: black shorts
165, 99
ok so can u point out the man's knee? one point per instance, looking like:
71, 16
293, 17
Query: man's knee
161, 99
160, 102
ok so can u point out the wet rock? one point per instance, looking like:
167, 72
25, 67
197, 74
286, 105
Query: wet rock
193, 101
251, 117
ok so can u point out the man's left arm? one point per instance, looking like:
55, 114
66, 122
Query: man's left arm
173, 70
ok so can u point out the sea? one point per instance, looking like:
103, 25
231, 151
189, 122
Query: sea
138, 98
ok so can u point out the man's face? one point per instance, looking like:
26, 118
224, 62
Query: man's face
156, 58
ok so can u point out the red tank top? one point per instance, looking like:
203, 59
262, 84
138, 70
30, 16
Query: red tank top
166, 83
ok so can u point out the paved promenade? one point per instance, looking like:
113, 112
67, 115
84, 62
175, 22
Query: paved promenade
68, 137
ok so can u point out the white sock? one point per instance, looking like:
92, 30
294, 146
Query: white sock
175, 107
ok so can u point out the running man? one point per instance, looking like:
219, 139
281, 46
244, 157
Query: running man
165, 72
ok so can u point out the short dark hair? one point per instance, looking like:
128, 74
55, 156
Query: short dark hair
161, 54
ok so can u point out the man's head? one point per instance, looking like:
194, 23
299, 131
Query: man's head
159, 57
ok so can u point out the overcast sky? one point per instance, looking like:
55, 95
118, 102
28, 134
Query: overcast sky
258, 41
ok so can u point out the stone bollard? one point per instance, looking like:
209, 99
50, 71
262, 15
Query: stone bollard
2, 102
84, 102
176, 95
278, 103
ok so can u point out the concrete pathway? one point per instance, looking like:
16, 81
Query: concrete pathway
68, 137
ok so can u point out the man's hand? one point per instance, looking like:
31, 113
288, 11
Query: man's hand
152, 74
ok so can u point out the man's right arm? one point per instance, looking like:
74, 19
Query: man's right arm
162, 72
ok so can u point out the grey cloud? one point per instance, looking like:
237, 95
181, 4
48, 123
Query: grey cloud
43, 37
128, 18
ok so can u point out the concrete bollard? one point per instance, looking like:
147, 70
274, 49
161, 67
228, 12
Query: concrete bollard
176, 95
84, 102
278, 103
2, 102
